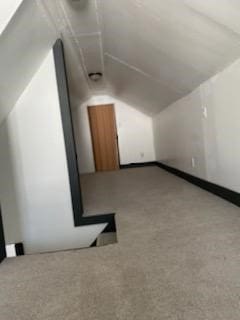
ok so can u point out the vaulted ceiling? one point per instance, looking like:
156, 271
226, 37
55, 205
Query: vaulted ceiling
151, 52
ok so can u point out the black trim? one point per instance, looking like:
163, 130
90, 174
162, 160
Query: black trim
227, 194
137, 165
70, 145
2, 241
111, 226
64, 100
102, 218
19, 249
94, 244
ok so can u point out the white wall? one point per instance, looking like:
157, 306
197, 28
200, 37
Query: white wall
184, 131
38, 191
135, 134
221, 96
178, 135
9, 200
24, 44
7, 10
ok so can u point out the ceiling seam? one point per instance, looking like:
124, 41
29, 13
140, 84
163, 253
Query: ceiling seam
59, 9
221, 25
90, 34
82, 60
60, 24
47, 15
101, 39
140, 71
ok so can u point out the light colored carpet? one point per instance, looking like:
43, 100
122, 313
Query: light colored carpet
177, 258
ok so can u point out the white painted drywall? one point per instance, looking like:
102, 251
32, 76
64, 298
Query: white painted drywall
135, 134
7, 10
183, 132
9, 200
37, 167
24, 44
221, 97
178, 135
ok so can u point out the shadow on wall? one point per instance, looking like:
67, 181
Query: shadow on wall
79, 4
83, 140
10, 202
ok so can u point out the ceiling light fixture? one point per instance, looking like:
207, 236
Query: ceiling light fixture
96, 76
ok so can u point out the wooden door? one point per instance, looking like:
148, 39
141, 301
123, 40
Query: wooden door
104, 137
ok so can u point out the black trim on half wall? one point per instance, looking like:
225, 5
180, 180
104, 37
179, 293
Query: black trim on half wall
70, 145
19, 249
227, 194
64, 100
2, 240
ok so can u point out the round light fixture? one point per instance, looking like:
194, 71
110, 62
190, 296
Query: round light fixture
96, 76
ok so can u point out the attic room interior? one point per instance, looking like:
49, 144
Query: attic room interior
119, 159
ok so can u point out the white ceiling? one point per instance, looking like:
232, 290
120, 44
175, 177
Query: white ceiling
151, 52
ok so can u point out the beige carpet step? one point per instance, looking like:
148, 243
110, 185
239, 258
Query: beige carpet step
106, 238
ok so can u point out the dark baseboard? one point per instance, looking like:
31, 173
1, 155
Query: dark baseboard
227, 194
2, 241
108, 218
138, 165
94, 244
19, 249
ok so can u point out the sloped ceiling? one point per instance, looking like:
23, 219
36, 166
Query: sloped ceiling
151, 52
25, 40
7, 10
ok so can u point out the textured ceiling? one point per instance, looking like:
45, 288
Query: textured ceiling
151, 52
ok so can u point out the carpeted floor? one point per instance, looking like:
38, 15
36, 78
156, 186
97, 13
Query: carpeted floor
177, 258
